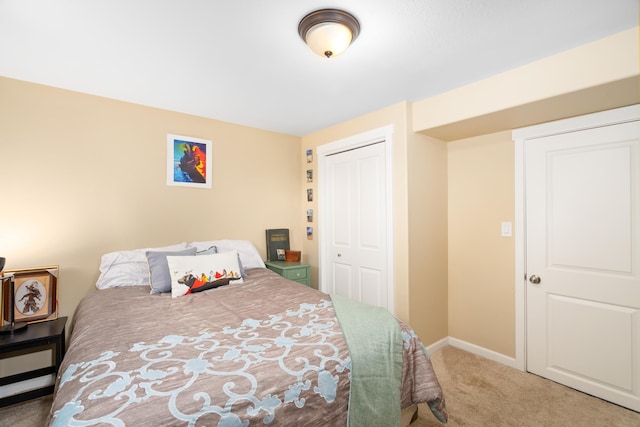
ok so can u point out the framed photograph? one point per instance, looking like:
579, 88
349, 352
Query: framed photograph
35, 294
189, 161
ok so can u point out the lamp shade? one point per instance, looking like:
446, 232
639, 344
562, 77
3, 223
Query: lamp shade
329, 32
329, 39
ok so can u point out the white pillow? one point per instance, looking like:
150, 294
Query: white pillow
128, 268
249, 255
190, 274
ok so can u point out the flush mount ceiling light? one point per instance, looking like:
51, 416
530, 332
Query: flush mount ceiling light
329, 32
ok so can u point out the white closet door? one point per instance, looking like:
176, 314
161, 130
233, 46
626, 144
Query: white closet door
356, 249
583, 260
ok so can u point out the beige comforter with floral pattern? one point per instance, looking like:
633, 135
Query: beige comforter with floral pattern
266, 352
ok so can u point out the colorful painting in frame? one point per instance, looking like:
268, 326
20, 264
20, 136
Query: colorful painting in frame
189, 161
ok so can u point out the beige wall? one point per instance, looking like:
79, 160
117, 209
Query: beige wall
84, 175
427, 198
481, 262
597, 76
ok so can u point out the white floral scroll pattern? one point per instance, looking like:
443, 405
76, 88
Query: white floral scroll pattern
211, 354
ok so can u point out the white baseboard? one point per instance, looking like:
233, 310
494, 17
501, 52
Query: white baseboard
438, 345
475, 349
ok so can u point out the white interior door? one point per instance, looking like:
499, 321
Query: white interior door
356, 257
583, 260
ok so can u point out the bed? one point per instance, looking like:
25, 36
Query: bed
250, 348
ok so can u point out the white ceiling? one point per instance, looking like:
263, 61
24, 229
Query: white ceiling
242, 61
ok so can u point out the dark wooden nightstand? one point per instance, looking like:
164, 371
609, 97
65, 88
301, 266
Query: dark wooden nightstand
33, 338
296, 271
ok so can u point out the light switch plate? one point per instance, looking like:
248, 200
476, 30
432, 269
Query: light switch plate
506, 229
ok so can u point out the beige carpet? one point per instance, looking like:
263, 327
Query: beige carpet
479, 392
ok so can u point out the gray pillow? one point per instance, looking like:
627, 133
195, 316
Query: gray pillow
159, 269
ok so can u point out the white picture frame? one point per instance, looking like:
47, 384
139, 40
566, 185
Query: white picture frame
189, 161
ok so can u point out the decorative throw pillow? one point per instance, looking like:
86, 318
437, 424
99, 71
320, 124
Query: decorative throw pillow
159, 269
192, 274
214, 250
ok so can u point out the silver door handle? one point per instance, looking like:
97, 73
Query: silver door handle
534, 279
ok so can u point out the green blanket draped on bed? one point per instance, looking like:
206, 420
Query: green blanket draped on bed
375, 346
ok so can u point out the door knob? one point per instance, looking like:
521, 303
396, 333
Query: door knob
339, 255
534, 279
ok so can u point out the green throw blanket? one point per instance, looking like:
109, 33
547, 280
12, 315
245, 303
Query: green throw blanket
375, 346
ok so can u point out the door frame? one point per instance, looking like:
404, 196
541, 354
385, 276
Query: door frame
520, 137
381, 135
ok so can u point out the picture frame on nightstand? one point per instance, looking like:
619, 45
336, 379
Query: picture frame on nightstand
277, 243
35, 295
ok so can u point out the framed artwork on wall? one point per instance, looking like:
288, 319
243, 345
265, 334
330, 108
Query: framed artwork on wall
189, 161
35, 292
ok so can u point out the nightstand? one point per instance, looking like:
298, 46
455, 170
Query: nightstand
296, 271
34, 338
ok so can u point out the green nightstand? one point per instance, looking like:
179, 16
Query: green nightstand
296, 271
